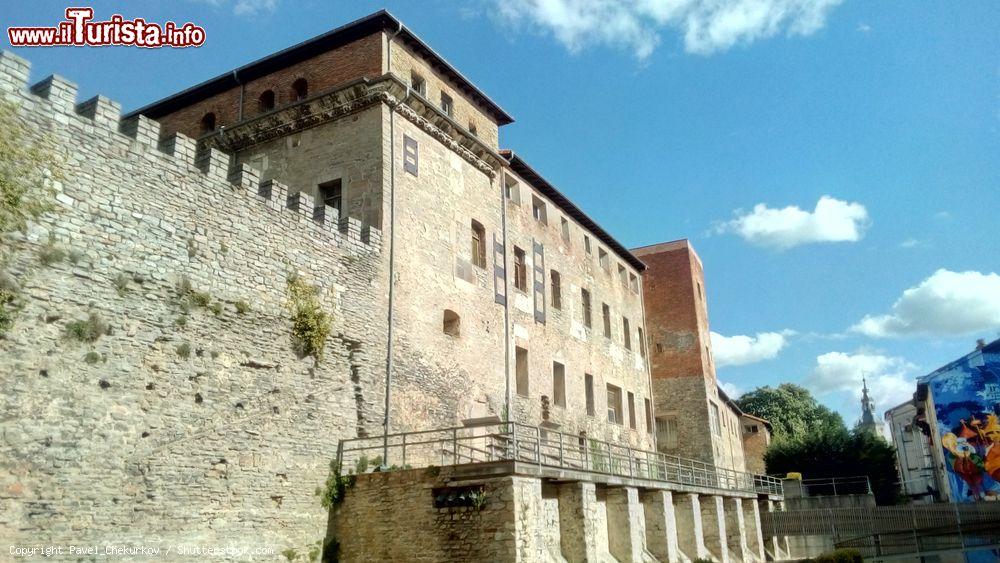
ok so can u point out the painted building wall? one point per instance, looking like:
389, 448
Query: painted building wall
964, 397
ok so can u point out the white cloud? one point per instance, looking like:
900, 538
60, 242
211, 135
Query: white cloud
708, 26
733, 391
246, 7
910, 243
740, 349
890, 380
945, 304
832, 220
864, 28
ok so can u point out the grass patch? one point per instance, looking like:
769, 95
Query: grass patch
242, 307
50, 254
89, 330
92, 358
121, 284
183, 350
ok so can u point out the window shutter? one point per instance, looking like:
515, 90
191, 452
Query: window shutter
538, 263
499, 274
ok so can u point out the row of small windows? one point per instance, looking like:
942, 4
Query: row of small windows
419, 85
616, 410
265, 102
629, 280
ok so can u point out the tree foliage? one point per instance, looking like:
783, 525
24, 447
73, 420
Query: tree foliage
838, 453
791, 410
26, 170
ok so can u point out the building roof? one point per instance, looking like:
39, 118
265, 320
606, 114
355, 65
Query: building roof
669, 246
991, 348
374, 23
522, 169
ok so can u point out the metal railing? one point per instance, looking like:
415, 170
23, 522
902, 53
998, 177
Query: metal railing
834, 486
511, 441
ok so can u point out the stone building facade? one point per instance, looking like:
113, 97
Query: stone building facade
694, 417
756, 439
461, 285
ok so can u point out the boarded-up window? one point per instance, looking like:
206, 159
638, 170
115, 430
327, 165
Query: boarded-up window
478, 244
410, 156
604, 260
642, 343
520, 270
649, 415
556, 283
631, 410
588, 387
606, 313
586, 245
558, 384
521, 370
628, 334
585, 302
538, 285
564, 225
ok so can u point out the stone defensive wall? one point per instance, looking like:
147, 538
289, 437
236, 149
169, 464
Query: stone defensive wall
153, 392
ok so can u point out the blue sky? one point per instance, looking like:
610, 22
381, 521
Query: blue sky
723, 122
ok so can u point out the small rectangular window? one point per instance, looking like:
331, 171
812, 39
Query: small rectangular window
631, 410
606, 313
649, 415
521, 370
520, 270
410, 155
538, 210
666, 432
623, 276
633, 282
713, 419
478, 244
511, 190
558, 384
603, 260
585, 298
332, 195
418, 84
472, 129
642, 343
628, 334
586, 245
447, 104
564, 225
556, 290
588, 387
615, 405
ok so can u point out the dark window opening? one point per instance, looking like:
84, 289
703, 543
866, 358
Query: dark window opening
266, 101
452, 323
208, 123
332, 195
300, 89
556, 290
478, 244
520, 270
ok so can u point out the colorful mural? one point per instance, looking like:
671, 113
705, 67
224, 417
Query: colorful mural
966, 396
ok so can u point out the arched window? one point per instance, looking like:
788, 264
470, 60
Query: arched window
266, 101
208, 123
300, 89
452, 323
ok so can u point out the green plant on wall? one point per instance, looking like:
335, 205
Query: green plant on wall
27, 171
87, 330
336, 486
310, 323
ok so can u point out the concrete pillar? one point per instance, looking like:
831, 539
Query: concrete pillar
755, 540
626, 524
690, 536
736, 531
713, 526
661, 525
577, 521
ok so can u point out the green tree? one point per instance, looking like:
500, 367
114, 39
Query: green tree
27, 168
838, 453
791, 410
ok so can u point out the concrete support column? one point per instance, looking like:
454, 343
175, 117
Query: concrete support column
713, 526
626, 524
661, 525
690, 536
755, 540
736, 531
578, 521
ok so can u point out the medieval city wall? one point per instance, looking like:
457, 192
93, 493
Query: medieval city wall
152, 389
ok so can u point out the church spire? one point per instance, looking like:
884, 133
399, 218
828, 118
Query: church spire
868, 421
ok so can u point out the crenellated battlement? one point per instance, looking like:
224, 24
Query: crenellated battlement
56, 96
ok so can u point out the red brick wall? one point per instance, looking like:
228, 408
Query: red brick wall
361, 58
676, 315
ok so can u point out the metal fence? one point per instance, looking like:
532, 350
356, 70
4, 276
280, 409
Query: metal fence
890, 530
511, 441
835, 486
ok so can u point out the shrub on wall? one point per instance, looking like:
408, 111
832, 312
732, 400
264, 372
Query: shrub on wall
310, 324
